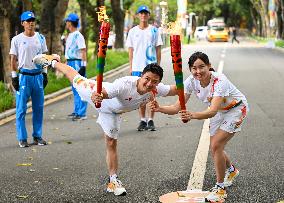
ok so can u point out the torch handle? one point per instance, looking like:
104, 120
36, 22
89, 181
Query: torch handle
99, 88
104, 34
177, 66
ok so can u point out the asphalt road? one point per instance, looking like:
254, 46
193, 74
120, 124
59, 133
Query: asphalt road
72, 167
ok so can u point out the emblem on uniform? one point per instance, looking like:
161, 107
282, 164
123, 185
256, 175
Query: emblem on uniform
128, 99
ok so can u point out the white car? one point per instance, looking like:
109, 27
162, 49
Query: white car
201, 32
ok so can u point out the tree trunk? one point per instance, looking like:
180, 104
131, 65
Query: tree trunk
118, 18
261, 6
27, 5
53, 12
6, 9
84, 22
282, 17
60, 11
255, 19
16, 27
279, 20
268, 30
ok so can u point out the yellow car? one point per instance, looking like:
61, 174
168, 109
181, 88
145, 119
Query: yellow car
217, 33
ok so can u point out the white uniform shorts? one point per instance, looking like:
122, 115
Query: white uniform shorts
230, 121
110, 123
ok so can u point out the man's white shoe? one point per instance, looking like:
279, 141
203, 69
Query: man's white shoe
44, 59
116, 187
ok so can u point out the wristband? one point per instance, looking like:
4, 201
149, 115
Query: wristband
14, 74
53, 62
84, 63
44, 70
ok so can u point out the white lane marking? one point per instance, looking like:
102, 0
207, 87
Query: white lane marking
199, 164
220, 66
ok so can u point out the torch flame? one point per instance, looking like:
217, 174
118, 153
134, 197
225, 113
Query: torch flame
174, 28
102, 16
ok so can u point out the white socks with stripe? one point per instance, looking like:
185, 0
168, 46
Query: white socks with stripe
112, 177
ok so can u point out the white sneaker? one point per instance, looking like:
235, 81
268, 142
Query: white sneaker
44, 59
230, 177
217, 194
116, 187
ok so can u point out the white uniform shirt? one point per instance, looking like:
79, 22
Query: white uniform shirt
26, 48
219, 86
74, 42
123, 95
144, 43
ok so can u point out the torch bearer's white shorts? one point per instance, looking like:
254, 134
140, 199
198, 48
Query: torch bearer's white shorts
230, 121
110, 122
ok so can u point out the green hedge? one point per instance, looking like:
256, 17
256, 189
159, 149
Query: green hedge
7, 99
280, 43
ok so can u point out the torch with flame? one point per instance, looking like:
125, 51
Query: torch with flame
177, 65
104, 34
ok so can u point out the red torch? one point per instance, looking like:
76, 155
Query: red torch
104, 34
177, 66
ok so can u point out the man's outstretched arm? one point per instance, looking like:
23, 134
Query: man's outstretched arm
54, 61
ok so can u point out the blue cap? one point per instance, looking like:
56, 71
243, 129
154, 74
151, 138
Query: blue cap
143, 8
27, 15
72, 17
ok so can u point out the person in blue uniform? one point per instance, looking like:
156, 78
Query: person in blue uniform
28, 79
75, 53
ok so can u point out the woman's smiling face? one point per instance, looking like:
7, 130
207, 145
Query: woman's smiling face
200, 70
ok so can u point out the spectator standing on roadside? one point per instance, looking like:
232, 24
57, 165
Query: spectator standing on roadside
144, 42
75, 53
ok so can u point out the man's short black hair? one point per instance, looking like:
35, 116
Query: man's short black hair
74, 23
154, 68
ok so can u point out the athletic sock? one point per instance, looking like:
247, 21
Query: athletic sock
112, 177
53, 62
232, 168
221, 185
149, 119
144, 119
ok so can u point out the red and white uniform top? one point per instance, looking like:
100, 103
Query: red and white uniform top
219, 86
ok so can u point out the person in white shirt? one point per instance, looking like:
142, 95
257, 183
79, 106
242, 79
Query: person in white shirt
227, 108
123, 95
30, 80
75, 53
144, 44
111, 40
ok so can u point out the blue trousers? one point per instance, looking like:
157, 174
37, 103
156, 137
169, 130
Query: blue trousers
80, 107
29, 87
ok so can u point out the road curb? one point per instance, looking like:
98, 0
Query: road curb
279, 49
